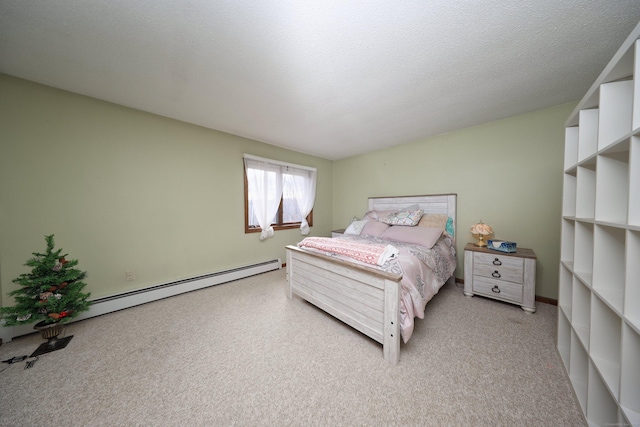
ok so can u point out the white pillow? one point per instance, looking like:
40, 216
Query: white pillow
355, 227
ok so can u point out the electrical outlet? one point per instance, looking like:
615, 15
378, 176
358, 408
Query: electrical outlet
129, 275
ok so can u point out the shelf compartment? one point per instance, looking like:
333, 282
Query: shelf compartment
609, 265
632, 418
581, 311
612, 184
569, 199
586, 192
571, 147
616, 112
605, 341
630, 376
588, 133
583, 255
568, 238
565, 286
634, 179
632, 285
579, 370
602, 409
564, 339
636, 90
623, 68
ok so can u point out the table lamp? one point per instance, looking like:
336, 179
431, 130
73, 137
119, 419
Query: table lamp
480, 230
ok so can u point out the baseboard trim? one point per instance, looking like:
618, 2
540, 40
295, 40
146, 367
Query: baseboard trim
546, 300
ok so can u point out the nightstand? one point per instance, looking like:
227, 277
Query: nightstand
337, 233
508, 277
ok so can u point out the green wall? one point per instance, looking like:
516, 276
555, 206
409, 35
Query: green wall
124, 190
507, 173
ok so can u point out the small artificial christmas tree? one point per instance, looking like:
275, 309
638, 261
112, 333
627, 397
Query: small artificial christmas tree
50, 293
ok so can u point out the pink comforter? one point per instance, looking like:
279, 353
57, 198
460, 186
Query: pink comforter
424, 271
367, 252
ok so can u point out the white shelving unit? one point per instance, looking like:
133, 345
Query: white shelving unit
599, 284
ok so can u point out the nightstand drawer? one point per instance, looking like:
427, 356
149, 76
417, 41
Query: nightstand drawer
497, 289
498, 267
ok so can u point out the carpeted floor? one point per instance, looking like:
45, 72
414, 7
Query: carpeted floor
243, 354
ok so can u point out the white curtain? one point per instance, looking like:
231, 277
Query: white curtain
265, 191
304, 188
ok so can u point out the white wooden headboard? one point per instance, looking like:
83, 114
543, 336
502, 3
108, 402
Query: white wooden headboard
436, 203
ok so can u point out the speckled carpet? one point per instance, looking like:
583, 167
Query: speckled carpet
243, 354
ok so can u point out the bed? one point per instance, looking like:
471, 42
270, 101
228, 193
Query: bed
364, 295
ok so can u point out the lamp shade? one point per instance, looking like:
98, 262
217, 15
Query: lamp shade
480, 230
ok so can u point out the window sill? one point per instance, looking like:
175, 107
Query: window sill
275, 227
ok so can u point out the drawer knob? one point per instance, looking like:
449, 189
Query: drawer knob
495, 289
496, 274
497, 262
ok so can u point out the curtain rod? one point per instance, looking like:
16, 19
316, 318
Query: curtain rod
276, 162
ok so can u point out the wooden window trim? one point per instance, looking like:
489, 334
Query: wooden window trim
280, 225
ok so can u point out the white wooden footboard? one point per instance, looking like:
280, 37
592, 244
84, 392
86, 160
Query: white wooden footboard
363, 298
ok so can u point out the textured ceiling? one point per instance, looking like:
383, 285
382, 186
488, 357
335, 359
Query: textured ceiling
329, 78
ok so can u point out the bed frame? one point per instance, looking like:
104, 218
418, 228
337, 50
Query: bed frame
363, 297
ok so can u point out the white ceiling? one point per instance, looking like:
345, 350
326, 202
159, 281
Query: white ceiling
329, 78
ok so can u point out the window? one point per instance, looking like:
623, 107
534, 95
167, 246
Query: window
278, 196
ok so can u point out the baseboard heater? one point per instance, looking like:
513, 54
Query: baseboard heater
118, 302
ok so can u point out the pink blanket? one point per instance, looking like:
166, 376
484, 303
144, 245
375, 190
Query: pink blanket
375, 254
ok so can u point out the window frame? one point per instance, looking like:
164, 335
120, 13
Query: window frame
276, 226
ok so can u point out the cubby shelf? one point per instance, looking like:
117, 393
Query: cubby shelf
634, 184
565, 289
632, 282
564, 338
599, 283
630, 375
588, 133
568, 235
614, 120
570, 148
579, 370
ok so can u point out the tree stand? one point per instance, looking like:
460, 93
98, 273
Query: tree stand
50, 332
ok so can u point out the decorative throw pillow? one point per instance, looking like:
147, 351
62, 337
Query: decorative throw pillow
378, 214
355, 227
409, 218
449, 228
374, 228
433, 220
423, 236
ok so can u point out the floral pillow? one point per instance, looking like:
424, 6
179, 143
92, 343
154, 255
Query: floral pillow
404, 217
378, 214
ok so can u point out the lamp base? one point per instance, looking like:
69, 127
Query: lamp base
481, 243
